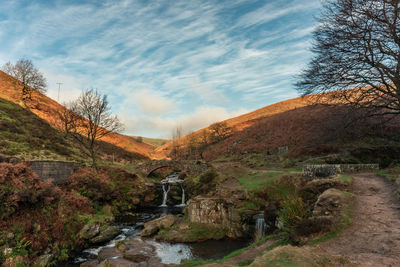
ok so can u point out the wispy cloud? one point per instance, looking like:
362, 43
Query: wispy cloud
163, 59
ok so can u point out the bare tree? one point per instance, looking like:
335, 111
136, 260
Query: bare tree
30, 77
68, 117
94, 121
175, 145
357, 45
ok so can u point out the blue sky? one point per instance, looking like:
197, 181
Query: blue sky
164, 64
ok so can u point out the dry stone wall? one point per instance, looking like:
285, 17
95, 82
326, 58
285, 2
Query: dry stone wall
328, 170
58, 171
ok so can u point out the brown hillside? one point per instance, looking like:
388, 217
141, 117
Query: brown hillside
312, 130
46, 108
246, 120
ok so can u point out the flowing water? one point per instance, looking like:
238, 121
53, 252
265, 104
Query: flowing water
260, 227
131, 226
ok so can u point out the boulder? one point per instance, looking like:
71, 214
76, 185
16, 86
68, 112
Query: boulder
310, 192
89, 231
219, 212
107, 234
118, 263
152, 227
92, 263
330, 202
109, 253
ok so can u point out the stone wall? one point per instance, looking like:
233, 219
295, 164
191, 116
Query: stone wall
58, 171
327, 170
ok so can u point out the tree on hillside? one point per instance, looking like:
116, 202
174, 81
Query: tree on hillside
176, 150
30, 77
67, 117
357, 45
94, 121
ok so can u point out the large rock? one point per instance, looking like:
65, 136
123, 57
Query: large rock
310, 192
106, 234
218, 212
330, 202
89, 231
152, 227
126, 253
109, 253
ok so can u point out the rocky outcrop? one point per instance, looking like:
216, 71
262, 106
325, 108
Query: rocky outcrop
152, 227
129, 253
310, 192
218, 212
97, 232
330, 203
328, 211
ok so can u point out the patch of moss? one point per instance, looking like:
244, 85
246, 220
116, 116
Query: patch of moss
195, 232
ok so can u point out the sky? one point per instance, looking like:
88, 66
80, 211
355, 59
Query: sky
164, 64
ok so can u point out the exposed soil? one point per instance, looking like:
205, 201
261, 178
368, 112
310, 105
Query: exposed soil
373, 239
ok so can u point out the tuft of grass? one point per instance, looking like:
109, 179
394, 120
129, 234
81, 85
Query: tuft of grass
259, 180
345, 178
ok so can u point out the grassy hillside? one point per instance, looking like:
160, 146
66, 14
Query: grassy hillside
25, 135
46, 108
151, 141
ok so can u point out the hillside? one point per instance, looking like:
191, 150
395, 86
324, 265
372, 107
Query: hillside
46, 109
306, 128
26, 136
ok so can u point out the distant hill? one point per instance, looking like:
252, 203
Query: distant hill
46, 108
305, 128
151, 141
241, 122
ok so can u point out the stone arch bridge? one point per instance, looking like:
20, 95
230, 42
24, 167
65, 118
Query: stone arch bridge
190, 167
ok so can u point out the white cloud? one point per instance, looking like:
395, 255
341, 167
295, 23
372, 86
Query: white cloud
187, 55
164, 126
152, 103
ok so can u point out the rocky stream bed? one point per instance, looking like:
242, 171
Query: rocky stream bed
128, 248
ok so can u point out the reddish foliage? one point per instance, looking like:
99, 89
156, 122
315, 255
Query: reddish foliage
37, 211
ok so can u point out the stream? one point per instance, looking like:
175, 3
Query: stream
131, 226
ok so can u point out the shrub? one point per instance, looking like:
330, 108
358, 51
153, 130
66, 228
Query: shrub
208, 176
293, 210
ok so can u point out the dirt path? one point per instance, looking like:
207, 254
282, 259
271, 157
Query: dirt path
373, 239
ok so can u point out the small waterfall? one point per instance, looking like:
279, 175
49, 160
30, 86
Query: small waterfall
165, 188
183, 196
183, 204
260, 227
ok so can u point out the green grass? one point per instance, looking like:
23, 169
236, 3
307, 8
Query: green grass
345, 178
152, 141
259, 180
